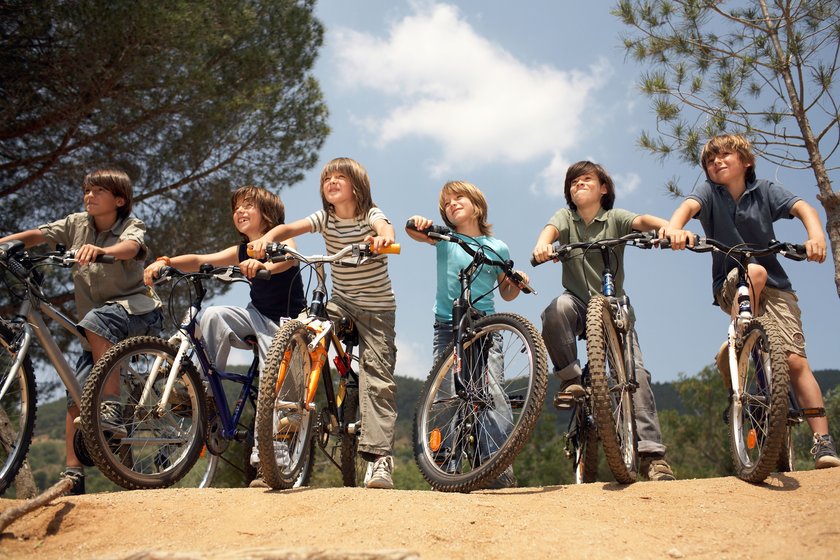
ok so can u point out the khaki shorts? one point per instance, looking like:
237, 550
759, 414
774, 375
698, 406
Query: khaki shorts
781, 305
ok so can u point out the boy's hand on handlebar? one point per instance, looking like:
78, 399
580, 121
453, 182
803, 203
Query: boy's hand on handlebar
679, 238
251, 267
815, 249
151, 272
543, 252
256, 248
87, 254
379, 242
421, 223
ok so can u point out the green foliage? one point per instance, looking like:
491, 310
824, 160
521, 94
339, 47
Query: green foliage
763, 68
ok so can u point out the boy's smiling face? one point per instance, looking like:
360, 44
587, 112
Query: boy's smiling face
247, 219
587, 190
726, 168
460, 210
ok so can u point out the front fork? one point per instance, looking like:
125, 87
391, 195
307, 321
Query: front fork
20, 345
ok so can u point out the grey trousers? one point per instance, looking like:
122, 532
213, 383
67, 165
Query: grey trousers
562, 322
377, 359
225, 326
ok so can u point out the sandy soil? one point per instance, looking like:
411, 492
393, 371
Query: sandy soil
791, 516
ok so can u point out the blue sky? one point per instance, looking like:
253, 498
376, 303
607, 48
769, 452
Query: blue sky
506, 95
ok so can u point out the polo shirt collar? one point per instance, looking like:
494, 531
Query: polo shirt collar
601, 216
116, 229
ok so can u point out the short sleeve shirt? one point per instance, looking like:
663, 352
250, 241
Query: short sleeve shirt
97, 283
451, 259
749, 220
369, 285
582, 271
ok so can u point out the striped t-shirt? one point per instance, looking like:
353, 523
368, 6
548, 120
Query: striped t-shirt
368, 285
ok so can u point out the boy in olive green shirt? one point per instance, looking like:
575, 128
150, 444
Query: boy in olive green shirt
590, 194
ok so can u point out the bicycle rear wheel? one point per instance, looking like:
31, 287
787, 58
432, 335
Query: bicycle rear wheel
284, 418
612, 392
353, 466
17, 407
758, 419
462, 442
159, 445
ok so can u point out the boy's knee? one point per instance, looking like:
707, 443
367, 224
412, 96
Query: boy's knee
757, 274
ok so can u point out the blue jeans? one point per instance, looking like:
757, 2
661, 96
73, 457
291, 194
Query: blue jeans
496, 420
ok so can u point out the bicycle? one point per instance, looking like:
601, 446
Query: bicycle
483, 396
604, 410
288, 419
762, 409
169, 419
18, 392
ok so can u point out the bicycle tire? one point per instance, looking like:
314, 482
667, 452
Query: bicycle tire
17, 410
452, 432
585, 456
353, 466
159, 449
757, 421
282, 397
612, 397
787, 454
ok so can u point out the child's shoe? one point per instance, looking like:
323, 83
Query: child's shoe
380, 473
505, 480
656, 468
111, 419
78, 478
825, 455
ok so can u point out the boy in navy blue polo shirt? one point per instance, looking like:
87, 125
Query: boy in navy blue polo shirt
735, 208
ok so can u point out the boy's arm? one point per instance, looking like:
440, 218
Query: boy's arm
190, 263
122, 251
543, 249
385, 235
815, 244
420, 223
674, 231
508, 288
277, 233
647, 222
30, 237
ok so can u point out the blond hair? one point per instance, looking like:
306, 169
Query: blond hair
734, 143
463, 188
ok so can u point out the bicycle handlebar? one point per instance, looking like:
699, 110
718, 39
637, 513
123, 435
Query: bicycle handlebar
223, 273
278, 252
445, 234
791, 251
560, 251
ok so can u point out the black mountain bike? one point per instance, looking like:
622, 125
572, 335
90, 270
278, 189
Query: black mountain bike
604, 410
482, 398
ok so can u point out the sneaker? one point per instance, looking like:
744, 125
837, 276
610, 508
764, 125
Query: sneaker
824, 452
111, 419
258, 482
656, 468
289, 423
381, 473
505, 480
78, 479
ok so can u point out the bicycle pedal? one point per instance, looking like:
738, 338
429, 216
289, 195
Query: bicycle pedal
563, 400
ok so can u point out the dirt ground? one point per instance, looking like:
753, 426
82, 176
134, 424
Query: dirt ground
791, 516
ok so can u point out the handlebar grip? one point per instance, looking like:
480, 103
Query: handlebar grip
410, 225
535, 263
106, 259
263, 274
392, 249
440, 230
665, 243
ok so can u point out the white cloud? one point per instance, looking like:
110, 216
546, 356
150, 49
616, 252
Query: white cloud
443, 81
413, 359
626, 183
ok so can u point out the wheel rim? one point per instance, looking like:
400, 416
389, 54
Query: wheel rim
751, 414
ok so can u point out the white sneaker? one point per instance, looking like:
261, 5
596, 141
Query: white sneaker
380, 473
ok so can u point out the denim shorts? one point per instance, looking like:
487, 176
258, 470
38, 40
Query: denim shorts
113, 323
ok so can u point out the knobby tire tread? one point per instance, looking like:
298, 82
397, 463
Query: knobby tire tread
29, 397
89, 412
505, 457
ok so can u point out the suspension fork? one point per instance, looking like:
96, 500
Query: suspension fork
183, 348
21, 347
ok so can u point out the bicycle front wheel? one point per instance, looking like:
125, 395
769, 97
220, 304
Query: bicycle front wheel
463, 441
17, 407
612, 392
132, 439
757, 419
284, 418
